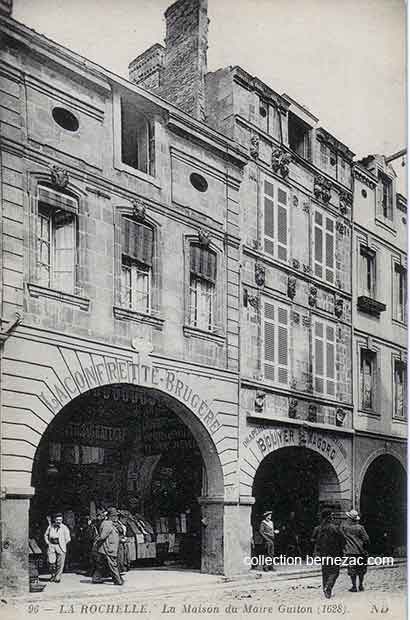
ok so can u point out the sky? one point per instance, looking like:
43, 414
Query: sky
342, 59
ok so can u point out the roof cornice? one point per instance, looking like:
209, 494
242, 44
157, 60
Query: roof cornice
105, 80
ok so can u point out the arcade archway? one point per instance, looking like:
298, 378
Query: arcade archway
137, 449
383, 505
296, 483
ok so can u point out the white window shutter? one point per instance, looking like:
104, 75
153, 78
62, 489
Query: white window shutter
282, 223
330, 250
268, 218
330, 361
324, 337
269, 341
318, 244
283, 345
319, 356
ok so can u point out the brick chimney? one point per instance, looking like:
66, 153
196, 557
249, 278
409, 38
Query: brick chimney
6, 7
146, 69
177, 73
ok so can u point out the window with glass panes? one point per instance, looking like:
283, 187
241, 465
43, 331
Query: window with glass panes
400, 389
275, 337
400, 293
324, 342
275, 219
367, 272
202, 287
56, 240
367, 379
324, 246
136, 265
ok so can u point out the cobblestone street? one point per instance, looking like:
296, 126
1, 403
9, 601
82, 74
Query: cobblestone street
296, 598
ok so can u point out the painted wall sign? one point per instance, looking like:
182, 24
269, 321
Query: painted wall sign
264, 440
141, 373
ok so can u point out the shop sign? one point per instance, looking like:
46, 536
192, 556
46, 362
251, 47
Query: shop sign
145, 374
266, 440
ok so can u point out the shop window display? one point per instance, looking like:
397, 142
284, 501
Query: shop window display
121, 446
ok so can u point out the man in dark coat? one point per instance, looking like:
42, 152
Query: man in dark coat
107, 548
268, 533
357, 542
329, 542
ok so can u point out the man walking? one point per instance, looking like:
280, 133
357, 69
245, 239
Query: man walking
357, 541
57, 537
329, 542
268, 532
106, 546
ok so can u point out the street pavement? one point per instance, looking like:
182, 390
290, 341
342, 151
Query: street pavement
291, 598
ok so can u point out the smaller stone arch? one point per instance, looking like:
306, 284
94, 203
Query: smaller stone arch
382, 502
369, 460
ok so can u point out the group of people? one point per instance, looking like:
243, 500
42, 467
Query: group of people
107, 553
331, 542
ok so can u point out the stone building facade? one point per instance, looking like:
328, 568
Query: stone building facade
177, 288
380, 348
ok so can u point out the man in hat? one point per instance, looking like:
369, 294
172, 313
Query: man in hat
329, 543
268, 532
107, 548
356, 545
57, 537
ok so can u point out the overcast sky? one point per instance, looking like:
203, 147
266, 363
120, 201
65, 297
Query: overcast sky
342, 59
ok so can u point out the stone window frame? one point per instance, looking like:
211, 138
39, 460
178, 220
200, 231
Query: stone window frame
369, 345
34, 289
218, 334
397, 357
153, 317
118, 163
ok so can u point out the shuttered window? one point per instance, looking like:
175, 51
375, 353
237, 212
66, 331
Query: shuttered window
202, 287
324, 338
56, 240
275, 220
275, 342
137, 241
137, 246
324, 246
203, 262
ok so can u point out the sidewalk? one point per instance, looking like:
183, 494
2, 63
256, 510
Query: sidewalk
153, 582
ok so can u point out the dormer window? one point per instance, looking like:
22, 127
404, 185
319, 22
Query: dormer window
385, 195
137, 138
299, 136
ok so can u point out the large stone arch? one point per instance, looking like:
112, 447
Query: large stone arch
214, 483
43, 372
35, 390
